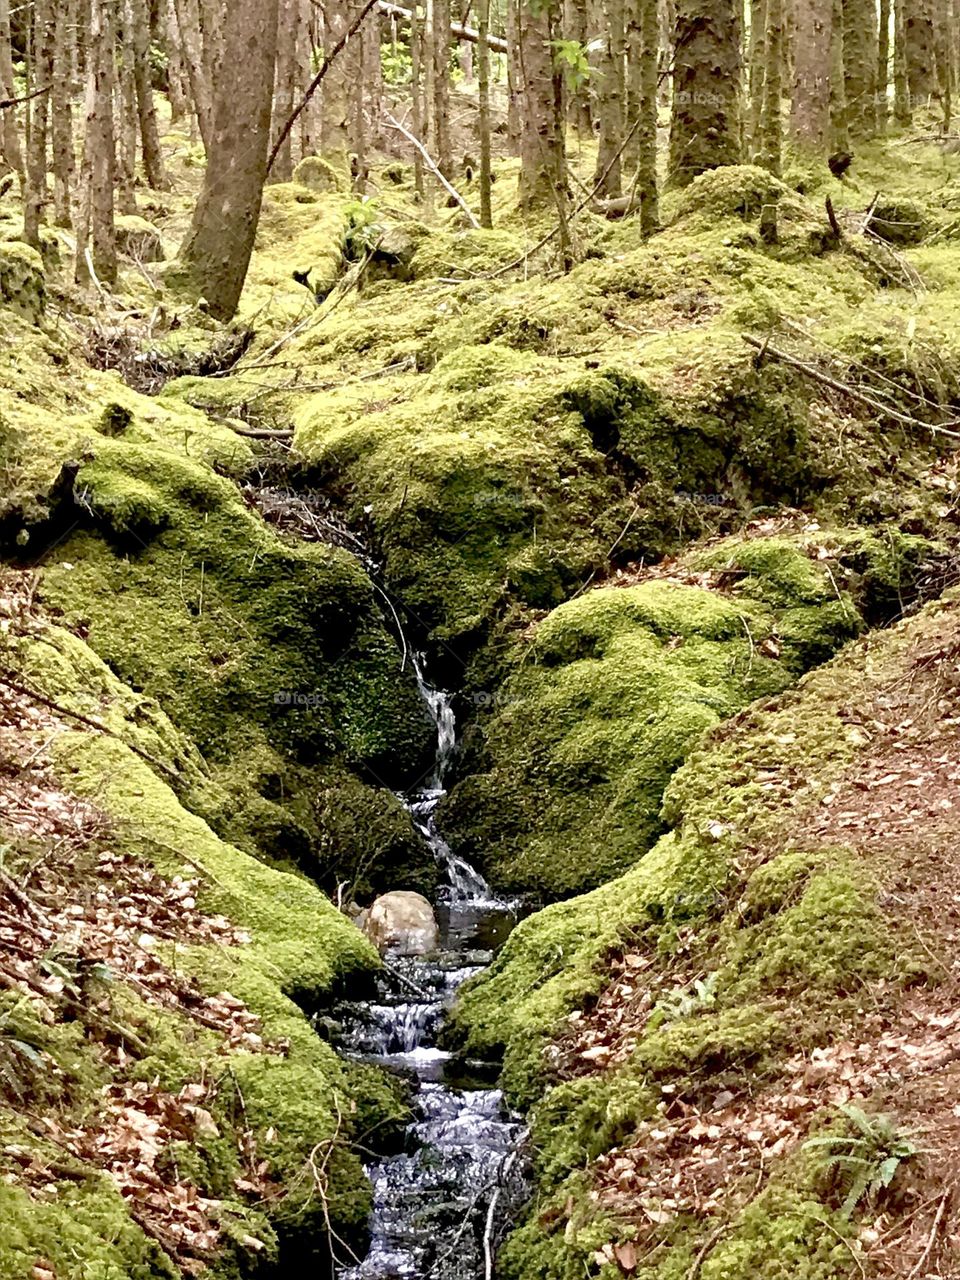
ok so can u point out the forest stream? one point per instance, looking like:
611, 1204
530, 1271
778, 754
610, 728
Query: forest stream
441, 1203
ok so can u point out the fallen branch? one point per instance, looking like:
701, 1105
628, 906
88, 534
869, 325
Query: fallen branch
315, 83
497, 44
845, 389
262, 433
433, 167
28, 97
26, 692
932, 1238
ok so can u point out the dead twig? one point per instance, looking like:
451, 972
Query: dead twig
932, 1237
845, 389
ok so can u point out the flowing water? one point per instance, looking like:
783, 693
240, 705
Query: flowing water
441, 1205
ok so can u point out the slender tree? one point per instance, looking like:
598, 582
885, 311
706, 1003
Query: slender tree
610, 100
441, 87
216, 253
10, 150
839, 133
705, 121
883, 67
771, 129
810, 101
61, 112
901, 86
96, 234
483, 92
860, 55
137, 13
919, 46
757, 68
201, 88
542, 153
647, 181
126, 113
35, 194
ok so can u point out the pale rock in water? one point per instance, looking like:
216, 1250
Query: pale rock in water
403, 922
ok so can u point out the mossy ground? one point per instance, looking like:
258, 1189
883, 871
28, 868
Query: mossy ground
507, 443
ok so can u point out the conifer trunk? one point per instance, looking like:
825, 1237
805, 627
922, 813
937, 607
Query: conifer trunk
96, 231
610, 106
483, 91
705, 122
810, 105
10, 150
542, 158
860, 46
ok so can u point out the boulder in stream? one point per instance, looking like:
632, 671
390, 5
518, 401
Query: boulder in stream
402, 922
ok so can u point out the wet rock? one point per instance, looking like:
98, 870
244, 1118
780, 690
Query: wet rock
402, 922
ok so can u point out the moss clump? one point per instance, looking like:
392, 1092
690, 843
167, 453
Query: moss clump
138, 239
617, 687
22, 284
317, 174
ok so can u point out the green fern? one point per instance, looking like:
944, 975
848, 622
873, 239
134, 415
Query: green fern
866, 1163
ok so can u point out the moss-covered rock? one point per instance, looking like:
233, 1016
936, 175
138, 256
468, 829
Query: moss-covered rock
615, 689
22, 282
138, 239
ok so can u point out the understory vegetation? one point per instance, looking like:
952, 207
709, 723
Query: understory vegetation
698, 611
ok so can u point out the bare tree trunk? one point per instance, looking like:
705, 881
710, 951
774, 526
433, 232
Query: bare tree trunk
416, 89
647, 130
35, 195
576, 27
756, 72
215, 256
337, 98
771, 130
839, 134
311, 42
515, 87
919, 45
705, 123
542, 158
441, 87
883, 67
860, 67
138, 15
61, 114
10, 150
96, 232
483, 90
610, 101
176, 71
373, 77
201, 89
901, 87
810, 106
942, 51
126, 113
286, 87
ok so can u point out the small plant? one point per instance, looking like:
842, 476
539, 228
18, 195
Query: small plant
681, 1002
21, 1063
863, 1164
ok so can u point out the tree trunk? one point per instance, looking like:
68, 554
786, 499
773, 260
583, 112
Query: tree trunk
705, 122
771, 129
647, 113
810, 106
153, 166
10, 150
96, 231
176, 71
919, 45
35, 195
216, 253
839, 134
756, 72
515, 90
542, 157
883, 67
901, 87
610, 101
441, 87
416, 91
337, 99
286, 87
860, 67
61, 115
201, 88
483, 91
126, 113
943, 42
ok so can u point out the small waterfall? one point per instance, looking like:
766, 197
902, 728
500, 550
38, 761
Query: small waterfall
441, 1206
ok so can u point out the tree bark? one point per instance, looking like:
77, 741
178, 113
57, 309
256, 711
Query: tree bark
919, 46
515, 90
839, 135
61, 115
10, 150
96, 231
542, 155
201, 88
286, 87
610, 106
883, 67
126, 113
216, 253
35, 193
483, 92
705, 121
810, 105
771, 128
416, 90
901, 88
441, 87
756, 72
647, 113
153, 165
176, 71
860, 46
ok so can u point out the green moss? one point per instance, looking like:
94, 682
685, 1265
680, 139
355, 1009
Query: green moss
781, 1235
712, 1044
618, 686
79, 1230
